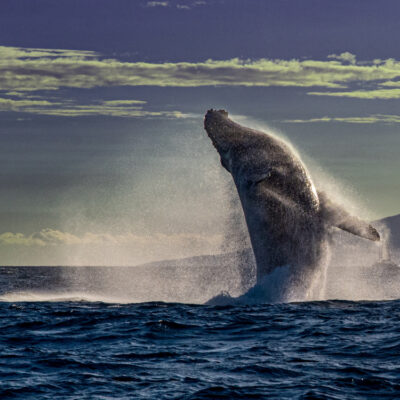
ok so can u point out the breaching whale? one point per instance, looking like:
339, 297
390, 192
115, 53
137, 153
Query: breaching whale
287, 218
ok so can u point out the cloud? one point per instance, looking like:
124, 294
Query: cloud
43, 69
384, 94
346, 56
18, 105
182, 5
9, 238
43, 238
124, 248
22, 95
12, 53
162, 243
123, 102
52, 237
375, 118
113, 108
33, 69
157, 4
30, 70
188, 5
390, 84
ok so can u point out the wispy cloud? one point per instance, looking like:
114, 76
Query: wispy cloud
181, 5
123, 102
24, 95
53, 237
20, 105
91, 248
346, 56
189, 4
157, 4
380, 93
41, 69
113, 108
372, 119
104, 248
29, 70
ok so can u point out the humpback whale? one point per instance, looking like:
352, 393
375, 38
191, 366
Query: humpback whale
288, 220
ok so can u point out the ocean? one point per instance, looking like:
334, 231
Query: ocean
72, 347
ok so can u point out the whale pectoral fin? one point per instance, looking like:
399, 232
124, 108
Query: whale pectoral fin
360, 228
337, 216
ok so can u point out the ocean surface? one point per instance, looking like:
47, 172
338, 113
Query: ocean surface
72, 348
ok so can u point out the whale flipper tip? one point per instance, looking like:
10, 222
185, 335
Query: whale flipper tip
373, 234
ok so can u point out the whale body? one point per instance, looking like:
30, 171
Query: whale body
287, 218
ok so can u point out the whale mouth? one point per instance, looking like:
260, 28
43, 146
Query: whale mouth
214, 117
214, 123
212, 112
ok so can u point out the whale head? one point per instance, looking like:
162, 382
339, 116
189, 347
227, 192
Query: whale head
260, 161
217, 124
270, 176
287, 219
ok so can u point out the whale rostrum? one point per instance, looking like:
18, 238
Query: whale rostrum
287, 218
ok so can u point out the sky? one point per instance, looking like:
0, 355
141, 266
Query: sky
103, 156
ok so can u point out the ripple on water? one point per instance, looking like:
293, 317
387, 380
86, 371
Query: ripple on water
326, 350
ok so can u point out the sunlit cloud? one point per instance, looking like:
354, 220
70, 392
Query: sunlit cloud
24, 95
391, 84
372, 119
384, 94
19, 105
30, 70
64, 248
346, 56
123, 102
113, 108
113, 249
43, 69
53, 237
12, 53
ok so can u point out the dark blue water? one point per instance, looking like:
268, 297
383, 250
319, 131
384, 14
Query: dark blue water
83, 350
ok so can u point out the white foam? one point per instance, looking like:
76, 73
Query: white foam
37, 296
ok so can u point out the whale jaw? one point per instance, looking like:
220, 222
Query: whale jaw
214, 124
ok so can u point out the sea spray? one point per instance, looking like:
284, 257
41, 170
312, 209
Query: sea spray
341, 195
196, 280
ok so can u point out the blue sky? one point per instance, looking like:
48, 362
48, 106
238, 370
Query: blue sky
103, 156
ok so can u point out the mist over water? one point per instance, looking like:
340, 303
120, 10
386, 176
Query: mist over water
347, 271
351, 267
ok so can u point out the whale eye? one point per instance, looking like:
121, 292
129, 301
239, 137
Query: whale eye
274, 178
272, 174
261, 178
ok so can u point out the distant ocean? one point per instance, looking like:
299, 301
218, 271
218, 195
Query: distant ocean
73, 348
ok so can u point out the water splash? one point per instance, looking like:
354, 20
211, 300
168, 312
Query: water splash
346, 270
349, 270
